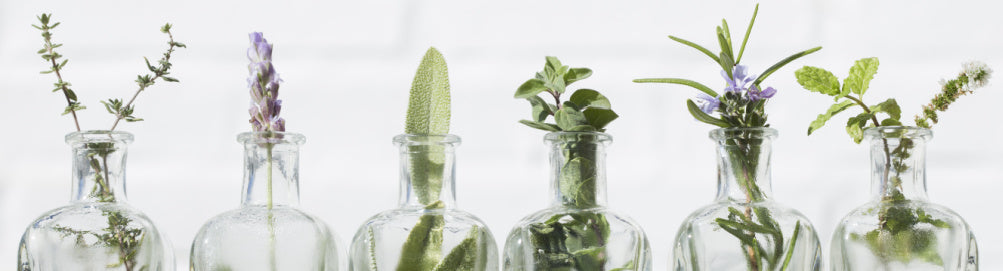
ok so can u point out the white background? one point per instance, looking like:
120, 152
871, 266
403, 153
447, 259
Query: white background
348, 65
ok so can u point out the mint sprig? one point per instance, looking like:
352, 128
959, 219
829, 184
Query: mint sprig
585, 111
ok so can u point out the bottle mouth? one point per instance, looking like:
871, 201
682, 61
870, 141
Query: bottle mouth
419, 140
898, 132
597, 137
270, 138
746, 133
98, 136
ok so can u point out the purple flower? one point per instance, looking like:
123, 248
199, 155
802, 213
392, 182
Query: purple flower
755, 94
264, 85
707, 103
739, 80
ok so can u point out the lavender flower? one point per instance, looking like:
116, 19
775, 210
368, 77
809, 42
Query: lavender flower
707, 103
739, 80
755, 94
264, 85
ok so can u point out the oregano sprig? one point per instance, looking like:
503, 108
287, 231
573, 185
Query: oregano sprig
585, 111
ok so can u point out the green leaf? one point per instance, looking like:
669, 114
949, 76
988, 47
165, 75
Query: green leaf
783, 62
855, 126
530, 88
725, 47
576, 74
581, 128
169, 79
747, 32
890, 122
423, 248
540, 108
540, 125
890, 107
43, 51
701, 116
833, 110
428, 108
568, 118
589, 98
463, 257
727, 64
861, 73
698, 47
599, 117
818, 80
578, 181
679, 81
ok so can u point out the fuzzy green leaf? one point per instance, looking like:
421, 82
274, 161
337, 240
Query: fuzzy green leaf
890, 107
423, 249
568, 118
703, 117
589, 98
463, 257
530, 88
783, 62
599, 117
679, 81
818, 80
540, 125
428, 108
576, 74
822, 118
540, 108
698, 47
861, 74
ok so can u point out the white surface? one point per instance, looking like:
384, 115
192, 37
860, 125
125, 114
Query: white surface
348, 66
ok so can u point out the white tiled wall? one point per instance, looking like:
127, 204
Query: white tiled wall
348, 65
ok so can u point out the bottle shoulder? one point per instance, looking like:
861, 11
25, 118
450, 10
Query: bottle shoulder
720, 209
90, 214
254, 218
563, 214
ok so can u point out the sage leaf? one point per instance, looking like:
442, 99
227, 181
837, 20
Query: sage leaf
589, 98
463, 257
833, 110
568, 118
428, 107
599, 117
423, 248
818, 80
861, 74
530, 88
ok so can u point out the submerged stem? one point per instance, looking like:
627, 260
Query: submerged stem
271, 217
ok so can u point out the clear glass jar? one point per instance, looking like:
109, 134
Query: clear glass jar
577, 231
268, 231
426, 232
99, 230
899, 229
744, 228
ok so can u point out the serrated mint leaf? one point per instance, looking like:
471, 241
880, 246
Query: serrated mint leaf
818, 80
576, 74
861, 73
542, 126
822, 118
599, 117
589, 98
568, 118
428, 108
890, 122
890, 107
530, 88
855, 126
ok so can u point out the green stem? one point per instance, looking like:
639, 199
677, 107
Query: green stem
790, 248
271, 217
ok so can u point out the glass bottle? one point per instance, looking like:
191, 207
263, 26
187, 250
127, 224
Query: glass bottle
899, 229
744, 228
577, 231
269, 231
426, 232
98, 230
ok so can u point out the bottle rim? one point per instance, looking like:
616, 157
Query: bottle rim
98, 136
898, 132
271, 138
744, 132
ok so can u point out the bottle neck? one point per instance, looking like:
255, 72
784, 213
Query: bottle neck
98, 165
743, 164
898, 164
578, 169
271, 169
427, 170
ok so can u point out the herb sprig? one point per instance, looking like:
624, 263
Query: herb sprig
118, 234
895, 219
585, 111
